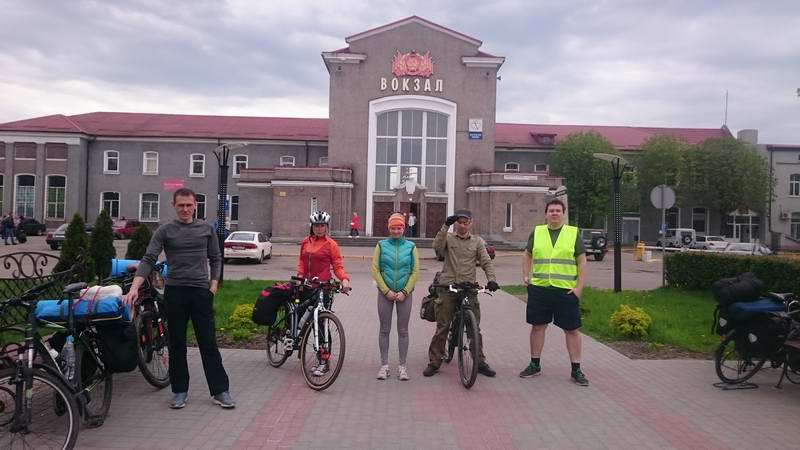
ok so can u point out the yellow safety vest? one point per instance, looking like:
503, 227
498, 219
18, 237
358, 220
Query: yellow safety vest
554, 265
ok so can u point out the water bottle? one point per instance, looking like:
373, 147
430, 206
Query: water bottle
68, 355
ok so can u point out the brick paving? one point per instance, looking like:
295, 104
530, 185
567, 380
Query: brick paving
629, 404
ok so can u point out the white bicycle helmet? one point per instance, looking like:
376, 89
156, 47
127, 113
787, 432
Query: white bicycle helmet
318, 217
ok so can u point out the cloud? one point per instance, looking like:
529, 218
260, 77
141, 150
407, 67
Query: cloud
643, 63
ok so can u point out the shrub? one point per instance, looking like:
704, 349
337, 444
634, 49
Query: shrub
241, 318
630, 322
699, 270
239, 335
102, 245
138, 243
75, 249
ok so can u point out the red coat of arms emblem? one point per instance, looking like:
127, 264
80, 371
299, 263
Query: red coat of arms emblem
412, 64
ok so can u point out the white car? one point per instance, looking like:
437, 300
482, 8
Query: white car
717, 243
748, 248
248, 245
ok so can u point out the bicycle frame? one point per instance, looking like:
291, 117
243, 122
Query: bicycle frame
317, 301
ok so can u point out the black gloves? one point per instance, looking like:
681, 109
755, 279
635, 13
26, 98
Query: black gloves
492, 286
451, 220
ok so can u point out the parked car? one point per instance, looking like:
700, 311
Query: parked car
33, 227
124, 229
595, 242
56, 238
679, 237
748, 248
248, 245
710, 243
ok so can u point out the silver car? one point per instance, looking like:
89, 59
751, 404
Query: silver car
748, 248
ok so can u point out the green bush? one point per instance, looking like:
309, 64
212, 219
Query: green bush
75, 249
241, 318
699, 270
240, 335
630, 322
138, 243
102, 245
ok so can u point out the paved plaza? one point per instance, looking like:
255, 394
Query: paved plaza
629, 404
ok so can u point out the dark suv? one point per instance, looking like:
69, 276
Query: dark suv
596, 242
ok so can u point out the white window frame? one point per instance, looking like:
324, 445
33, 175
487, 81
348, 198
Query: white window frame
119, 203
191, 165
237, 208
546, 168
794, 185
197, 206
158, 207
237, 171
106, 157
508, 225
16, 185
287, 161
323, 161
144, 162
509, 167
46, 192
794, 225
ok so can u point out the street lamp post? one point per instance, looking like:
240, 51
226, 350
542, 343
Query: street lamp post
617, 166
221, 153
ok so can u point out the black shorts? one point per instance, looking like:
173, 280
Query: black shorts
553, 305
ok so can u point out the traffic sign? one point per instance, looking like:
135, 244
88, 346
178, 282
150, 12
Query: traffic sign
662, 197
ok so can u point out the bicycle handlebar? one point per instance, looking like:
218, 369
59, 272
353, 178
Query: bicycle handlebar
317, 283
464, 286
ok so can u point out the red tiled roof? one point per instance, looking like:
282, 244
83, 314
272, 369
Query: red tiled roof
115, 124
623, 138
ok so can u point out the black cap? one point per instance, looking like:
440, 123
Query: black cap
465, 213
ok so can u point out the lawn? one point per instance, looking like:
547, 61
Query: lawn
680, 318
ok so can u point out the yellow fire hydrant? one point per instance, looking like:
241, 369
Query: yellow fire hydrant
638, 254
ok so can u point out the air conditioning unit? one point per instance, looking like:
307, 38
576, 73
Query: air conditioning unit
784, 215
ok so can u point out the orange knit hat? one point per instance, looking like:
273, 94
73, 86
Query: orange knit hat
397, 219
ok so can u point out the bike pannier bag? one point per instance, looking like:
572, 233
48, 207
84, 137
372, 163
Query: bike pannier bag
265, 310
118, 346
743, 288
427, 311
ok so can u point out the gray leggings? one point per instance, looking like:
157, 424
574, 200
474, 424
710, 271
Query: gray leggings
385, 308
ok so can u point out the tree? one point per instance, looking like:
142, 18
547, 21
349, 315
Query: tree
138, 243
76, 249
588, 179
102, 245
661, 163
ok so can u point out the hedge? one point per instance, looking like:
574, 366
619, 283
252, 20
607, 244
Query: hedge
698, 270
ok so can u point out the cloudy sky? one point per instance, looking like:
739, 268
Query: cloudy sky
639, 63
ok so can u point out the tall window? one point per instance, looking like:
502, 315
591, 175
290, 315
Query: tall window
509, 220
673, 217
234, 208
25, 195
150, 163
796, 225
200, 212
110, 202
512, 167
699, 222
239, 163
411, 145
111, 162
794, 185
197, 165
56, 196
148, 207
287, 160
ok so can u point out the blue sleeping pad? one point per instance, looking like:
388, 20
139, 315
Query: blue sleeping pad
745, 310
107, 309
120, 266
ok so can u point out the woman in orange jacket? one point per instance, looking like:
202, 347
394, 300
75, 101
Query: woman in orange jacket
319, 253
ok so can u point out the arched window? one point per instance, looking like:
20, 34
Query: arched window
794, 185
197, 165
150, 163
110, 202
25, 195
148, 207
512, 167
56, 196
200, 212
239, 163
287, 160
111, 162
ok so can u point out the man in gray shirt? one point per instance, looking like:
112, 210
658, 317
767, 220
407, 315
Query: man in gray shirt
190, 246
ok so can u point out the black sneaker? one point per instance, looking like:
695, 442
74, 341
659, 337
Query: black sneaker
430, 370
579, 378
484, 369
531, 371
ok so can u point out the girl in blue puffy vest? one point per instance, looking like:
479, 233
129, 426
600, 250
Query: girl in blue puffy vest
395, 267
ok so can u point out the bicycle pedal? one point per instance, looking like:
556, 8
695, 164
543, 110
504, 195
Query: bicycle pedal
288, 344
94, 421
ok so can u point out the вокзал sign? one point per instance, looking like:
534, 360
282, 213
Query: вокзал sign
412, 73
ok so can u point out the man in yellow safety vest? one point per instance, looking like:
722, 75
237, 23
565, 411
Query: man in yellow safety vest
554, 269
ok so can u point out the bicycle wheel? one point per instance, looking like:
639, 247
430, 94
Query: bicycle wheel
153, 348
452, 340
54, 419
277, 353
94, 380
732, 366
321, 366
468, 351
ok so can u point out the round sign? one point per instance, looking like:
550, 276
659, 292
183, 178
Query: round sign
662, 197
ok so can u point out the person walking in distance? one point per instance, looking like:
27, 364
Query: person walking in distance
191, 246
354, 225
395, 267
462, 252
412, 225
554, 269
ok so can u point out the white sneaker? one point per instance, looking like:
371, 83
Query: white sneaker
403, 373
383, 373
320, 370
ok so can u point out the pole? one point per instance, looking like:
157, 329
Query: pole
617, 227
663, 238
222, 195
